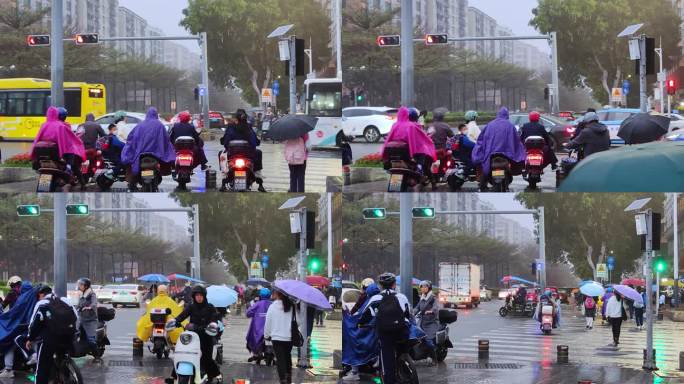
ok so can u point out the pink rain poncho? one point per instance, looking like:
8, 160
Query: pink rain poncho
59, 132
409, 132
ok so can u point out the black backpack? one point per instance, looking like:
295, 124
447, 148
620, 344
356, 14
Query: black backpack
390, 315
61, 319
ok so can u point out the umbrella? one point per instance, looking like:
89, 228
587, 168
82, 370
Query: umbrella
299, 290
508, 279
628, 292
643, 128
592, 289
317, 281
178, 276
258, 281
634, 281
221, 296
652, 167
291, 127
414, 281
154, 278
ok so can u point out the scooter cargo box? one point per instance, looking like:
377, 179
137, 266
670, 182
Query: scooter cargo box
397, 150
535, 142
447, 316
158, 315
184, 142
46, 150
239, 148
547, 310
106, 314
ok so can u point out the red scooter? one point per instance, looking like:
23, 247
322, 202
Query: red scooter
534, 161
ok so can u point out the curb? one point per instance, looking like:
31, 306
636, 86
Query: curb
16, 174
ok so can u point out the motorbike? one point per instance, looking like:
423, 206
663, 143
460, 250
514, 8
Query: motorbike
513, 307
187, 355
458, 172
185, 160
442, 342
439, 168
566, 166
405, 174
150, 172
501, 175
109, 173
82, 348
53, 171
161, 345
237, 167
546, 322
93, 162
534, 161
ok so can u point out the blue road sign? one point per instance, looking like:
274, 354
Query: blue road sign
264, 261
611, 260
276, 87
202, 91
626, 87
611, 267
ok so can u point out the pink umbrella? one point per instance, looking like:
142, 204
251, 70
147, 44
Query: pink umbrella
634, 281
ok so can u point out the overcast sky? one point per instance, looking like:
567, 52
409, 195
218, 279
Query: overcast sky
166, 14
160, 200
506, 201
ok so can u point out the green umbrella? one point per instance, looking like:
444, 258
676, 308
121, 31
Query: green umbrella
651, 167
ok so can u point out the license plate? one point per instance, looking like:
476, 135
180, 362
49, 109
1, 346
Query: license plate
99, 172
123, 293
395, 182
147, 173
240, 183
498, 173
44, 182
185, 163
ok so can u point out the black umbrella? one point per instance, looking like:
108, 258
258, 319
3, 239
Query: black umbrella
643, 128
291, 127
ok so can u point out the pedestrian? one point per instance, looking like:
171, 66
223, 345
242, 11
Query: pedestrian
296, 154
255, 333
639, 310
87, 312
589, 311
616, 314
278, 329
91, 132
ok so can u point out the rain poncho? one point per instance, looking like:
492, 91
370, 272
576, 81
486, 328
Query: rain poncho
149, 136
255, 333
162, 301
406, 131
11, 321
359, 345
59, 132
499, 136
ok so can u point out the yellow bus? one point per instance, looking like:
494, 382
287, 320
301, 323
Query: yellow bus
23, 103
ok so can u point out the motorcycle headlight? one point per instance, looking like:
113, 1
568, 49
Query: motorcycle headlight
185, 339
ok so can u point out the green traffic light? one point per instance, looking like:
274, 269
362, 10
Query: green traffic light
424, 213
28, 210
77, 209
374, 213
660, 266
314, 265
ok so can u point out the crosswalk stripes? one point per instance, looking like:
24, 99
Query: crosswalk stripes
522, 342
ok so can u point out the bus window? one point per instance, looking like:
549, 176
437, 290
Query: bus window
72, 101
15, 103
36, 103
3, 103
325, 100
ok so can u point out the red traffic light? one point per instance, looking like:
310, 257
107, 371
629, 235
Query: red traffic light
38, 40
671, 86
389, 41
87, 38
436, 39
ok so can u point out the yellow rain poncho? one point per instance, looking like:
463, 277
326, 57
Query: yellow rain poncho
144, 326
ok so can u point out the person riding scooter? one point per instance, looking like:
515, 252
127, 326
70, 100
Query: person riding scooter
242, 130
426, 314
161, 301
407, 130
183, 128
535, 128
547, 299
361, 344
593, 138
56, 130
255, 333
440, 131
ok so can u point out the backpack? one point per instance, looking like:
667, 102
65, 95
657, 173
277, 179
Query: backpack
390, 316
61, 319
295, 151
589, 303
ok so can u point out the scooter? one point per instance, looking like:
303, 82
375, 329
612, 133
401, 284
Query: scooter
81, 346
187, 355
53, 171
90, 166
185, 160
534, 161
458, 172
501, 175
108, 174
237, 167
161, 345
546, 323
405, 175
150, 173
442, 342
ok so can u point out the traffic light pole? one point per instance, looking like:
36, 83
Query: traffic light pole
292, 43
675, 249
649, 361
406, 245
407, 63
60, 244
57, 57
643, 95
303, 323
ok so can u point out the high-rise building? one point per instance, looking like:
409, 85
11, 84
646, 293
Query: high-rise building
480, 24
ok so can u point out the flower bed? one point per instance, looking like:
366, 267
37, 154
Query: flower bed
369, 161
22, 160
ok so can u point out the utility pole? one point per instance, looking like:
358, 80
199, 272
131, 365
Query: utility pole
649, 362
643, 96
555, 107
293, 74
542, 247
303, 351
675, 249
338, 36
406, 244
407, 91
60, 242
205, 80
57, 57
330, 235
197, 270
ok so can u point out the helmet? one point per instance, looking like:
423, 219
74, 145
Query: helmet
43, 290
85, 281
414, 114
534, 116
199, 289
471, 116
184, 117
425, 283
118, 116
366, 282
264, 293
439, 114
212, 329
63, 113
13, 280
387, 279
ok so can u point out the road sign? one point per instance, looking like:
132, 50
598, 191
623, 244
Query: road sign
255, 269
626, 87
276, 87
264, 261
266, 95
601, 271
616, 95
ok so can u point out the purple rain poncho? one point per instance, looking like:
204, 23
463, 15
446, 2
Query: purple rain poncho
149, 136
499, 136
255, 333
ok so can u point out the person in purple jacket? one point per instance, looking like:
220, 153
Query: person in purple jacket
255, 333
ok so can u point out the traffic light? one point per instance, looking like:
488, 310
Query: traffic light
314, 265
87, 38
534, 268
310, 231
345, 266
660, 265
436, 39
423, 213
300, 56
547, 93
374, 214
671, 86
360, 96
28, 210
389, 41
38, 40
77, 209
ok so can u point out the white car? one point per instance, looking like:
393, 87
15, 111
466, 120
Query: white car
371, 123
104, 294
132, 119
127, 295
73, 294
676, 122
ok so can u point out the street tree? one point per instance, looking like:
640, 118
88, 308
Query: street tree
590, 53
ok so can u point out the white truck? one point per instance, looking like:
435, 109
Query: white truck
459, 284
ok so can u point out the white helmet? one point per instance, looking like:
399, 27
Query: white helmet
13, 280
366, 282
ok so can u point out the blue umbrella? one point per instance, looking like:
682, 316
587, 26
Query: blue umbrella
592, 288
154, 278
221, 296
178, 276
414, 281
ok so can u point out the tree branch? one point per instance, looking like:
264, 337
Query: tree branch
243, 248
